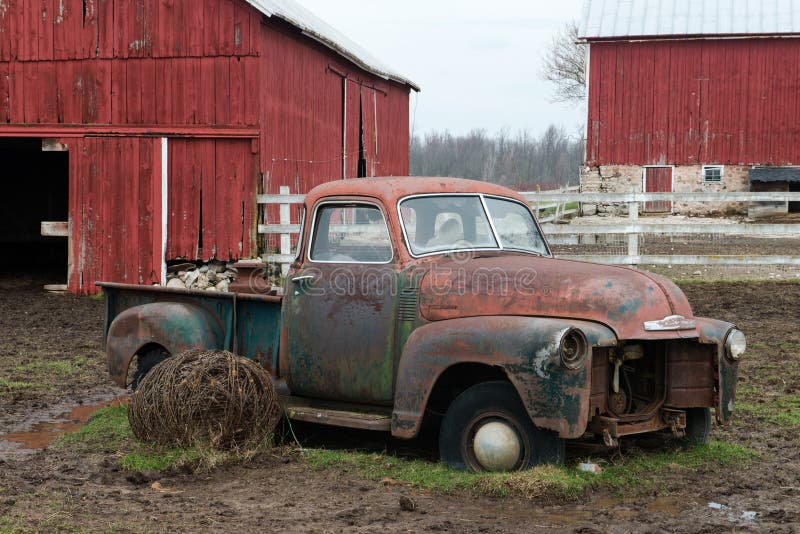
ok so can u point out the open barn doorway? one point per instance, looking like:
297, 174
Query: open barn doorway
35, 181
794, 207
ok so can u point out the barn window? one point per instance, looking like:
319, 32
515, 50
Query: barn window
712, 173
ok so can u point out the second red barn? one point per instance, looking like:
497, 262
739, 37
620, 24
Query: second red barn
691, 96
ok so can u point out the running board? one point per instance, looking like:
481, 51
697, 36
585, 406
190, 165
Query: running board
335, 414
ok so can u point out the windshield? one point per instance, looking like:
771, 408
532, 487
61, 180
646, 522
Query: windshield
442, 223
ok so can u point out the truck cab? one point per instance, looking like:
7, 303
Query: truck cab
439, 299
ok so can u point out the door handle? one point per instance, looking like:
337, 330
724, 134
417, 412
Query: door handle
304, 278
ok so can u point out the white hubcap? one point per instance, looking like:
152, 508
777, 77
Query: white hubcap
497, 447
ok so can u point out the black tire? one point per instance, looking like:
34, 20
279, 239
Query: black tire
698, 427
145, 362
490, 402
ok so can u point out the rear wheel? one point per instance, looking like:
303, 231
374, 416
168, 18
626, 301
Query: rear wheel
148, 359
486, 428
698, 427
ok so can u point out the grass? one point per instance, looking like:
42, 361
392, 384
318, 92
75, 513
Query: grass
108, 431
783, 411
642, 471
551, 211
62, 367
9, 386
42, 511
42, 374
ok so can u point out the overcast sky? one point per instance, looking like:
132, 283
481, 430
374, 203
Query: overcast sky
476, 61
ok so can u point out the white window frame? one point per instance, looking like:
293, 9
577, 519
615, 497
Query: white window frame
721, 174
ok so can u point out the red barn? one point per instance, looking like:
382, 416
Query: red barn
149, 127
692, 95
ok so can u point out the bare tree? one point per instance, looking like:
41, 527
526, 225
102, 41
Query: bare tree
565, 65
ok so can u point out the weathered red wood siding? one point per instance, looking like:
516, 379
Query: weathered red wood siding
302, 115
212, 188
302, 111
682, 102
114, 204
148, 68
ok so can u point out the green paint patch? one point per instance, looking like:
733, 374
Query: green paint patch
643, 471
630, 307
108, 431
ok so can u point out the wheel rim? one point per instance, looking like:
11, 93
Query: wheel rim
494, 442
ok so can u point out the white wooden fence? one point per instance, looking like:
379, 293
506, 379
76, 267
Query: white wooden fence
554, 205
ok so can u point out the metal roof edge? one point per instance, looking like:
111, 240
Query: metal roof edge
681, 36
293, 13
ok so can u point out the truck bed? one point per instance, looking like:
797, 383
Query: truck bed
251, 323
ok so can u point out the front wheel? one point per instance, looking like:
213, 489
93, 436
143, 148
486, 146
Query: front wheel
486, 428
698, 427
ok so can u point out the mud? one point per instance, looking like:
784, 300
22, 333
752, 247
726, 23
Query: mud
41, 434
55, 490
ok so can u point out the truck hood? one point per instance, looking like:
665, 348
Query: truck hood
524, 285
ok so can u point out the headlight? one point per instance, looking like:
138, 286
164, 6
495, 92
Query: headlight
573, 349
735, 345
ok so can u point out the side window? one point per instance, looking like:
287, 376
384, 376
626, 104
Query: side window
515, 226
350, 233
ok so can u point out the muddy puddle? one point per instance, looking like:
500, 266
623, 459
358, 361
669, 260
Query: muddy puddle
42, 434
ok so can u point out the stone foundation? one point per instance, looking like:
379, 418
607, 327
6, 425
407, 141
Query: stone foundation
686, 179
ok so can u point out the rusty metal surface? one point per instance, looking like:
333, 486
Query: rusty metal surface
623, 299
380, 336
690, 375
341, 333
601, 425
336, 414
715, 332
182, 319
175, 326
525, 348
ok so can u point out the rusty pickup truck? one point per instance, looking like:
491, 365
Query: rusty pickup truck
438, 300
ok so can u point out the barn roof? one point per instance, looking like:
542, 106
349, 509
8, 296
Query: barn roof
605, 19
319, 30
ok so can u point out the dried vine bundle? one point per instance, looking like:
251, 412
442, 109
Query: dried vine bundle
211, 397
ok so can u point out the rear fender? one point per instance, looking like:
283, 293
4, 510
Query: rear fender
525, 348
175, 326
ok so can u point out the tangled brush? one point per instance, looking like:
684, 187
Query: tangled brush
211, 397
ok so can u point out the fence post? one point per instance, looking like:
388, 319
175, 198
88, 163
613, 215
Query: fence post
286, 239
633, 239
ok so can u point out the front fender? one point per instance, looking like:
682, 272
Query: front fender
526, 348
716, 333
175, 326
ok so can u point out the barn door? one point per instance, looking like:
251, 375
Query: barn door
212, 188
658, 180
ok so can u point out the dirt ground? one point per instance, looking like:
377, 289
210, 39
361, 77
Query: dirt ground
50, 361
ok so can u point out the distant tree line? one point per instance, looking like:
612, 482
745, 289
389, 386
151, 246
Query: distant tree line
521, 161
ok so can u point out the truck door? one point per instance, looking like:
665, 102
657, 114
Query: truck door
339, 307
